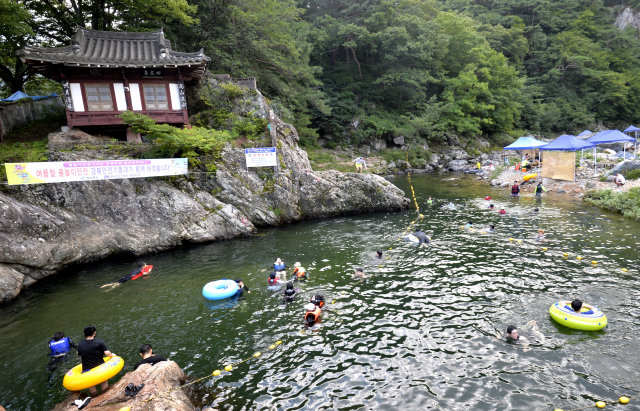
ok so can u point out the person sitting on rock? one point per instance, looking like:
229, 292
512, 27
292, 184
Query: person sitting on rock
92, 350
360, 163
148, 357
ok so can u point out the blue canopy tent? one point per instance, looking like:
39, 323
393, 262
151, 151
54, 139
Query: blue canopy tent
524, 143
633, 129
18, 95
611, 136
568, 143
584, 133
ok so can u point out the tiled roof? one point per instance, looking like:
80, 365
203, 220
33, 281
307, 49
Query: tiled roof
110, 48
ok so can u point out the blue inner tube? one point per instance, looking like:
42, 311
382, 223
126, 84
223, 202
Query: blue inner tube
219, 290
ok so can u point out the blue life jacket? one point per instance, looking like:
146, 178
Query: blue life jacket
59, 347
278, 267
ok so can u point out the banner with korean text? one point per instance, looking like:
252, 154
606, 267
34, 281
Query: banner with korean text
62, 172
261, 157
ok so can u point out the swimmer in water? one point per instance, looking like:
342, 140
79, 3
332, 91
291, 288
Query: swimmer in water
140, 269
379, 254
241, 287
423, 239
491, 228
492, 207
429, 201
576, 306
541, 237
289, 293
469, 225
502, 211
273, 280
513, 335
359, 274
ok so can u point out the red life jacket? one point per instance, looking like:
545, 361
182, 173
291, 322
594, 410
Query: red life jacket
272, 281
145, 270
515, 189
313, 315
487, 198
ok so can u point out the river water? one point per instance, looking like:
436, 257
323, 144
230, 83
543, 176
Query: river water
419, 333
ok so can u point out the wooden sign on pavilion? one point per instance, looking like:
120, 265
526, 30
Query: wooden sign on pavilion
104, 73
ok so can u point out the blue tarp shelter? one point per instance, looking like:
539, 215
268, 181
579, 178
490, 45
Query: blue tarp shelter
584, 133
525, 143
18, 95
567, 143
633, 129
611, 136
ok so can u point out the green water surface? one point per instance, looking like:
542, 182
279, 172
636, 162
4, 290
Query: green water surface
418, 334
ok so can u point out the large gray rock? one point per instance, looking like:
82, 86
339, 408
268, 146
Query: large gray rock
628, 18
162, 378
379, 144
399, 140
457, 165
46, 227
625, 166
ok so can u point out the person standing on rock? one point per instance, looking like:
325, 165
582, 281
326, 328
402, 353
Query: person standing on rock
92, 350
148, 357
515, 189
360, 163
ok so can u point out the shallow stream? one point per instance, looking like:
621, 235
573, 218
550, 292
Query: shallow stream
418, 334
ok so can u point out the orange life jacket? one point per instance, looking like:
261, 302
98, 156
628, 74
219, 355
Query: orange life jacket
315, 313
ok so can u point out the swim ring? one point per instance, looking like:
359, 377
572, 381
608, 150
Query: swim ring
76, 380
590, 317
219, 290
411, 239
529, 176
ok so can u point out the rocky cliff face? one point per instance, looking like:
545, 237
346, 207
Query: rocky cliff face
46, 227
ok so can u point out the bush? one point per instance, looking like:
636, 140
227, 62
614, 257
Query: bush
632, 174
627, 202
22, 153
416, 155
169, 141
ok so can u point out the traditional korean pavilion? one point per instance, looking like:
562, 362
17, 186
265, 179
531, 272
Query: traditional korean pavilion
104, 73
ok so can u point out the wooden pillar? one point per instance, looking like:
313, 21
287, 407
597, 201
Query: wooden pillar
127, 94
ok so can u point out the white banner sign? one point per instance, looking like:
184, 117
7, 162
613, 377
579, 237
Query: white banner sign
261, 157
62, 172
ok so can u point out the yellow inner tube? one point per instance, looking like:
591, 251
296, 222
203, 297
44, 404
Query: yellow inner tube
529, 176
75, 380
590, 317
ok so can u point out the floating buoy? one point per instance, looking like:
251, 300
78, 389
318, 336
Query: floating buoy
558, 409
511, 239
271, 347
624, 400
565, 254
544, 249
625, 270
125, 409
579, 258
258, 354
519, 241
600, 404
390, 248
216, 373
594, 262
421, 216
278, 342
228, 368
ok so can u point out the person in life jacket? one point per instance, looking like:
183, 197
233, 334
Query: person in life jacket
280, 268
539, 189
502, 211
273, 280
318, 300
59, 347
289, 293
300, 274
487, 198
515, 189
312, 315
429, 201
141, 269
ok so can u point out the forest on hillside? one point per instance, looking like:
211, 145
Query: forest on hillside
361, 70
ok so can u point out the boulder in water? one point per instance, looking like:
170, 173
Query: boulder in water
157, 379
